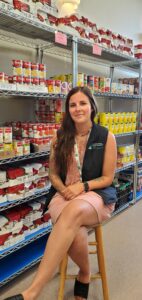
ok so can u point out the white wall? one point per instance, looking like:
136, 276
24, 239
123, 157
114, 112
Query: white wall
121, 16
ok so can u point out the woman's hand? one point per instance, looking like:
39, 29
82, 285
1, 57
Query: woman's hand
71, 191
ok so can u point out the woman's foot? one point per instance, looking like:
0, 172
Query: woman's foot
81, 290
28, 294
81, 287
15, 297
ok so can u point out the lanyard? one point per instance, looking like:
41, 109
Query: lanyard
76, 153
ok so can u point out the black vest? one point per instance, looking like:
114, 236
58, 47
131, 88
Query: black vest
94, 153
93, 164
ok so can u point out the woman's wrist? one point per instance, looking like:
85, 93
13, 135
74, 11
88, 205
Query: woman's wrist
86, 186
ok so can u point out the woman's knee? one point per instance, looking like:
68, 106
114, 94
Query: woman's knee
74, 211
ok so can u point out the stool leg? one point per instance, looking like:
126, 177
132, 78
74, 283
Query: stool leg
101, 261
63, 270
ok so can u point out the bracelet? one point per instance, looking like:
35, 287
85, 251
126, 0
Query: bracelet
86, 186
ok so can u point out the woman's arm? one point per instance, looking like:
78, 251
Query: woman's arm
109, 165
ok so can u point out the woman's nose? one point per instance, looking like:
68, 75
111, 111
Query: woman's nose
78, 107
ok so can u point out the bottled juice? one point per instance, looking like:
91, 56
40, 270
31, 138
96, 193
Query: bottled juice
104, 118
125, 117
133, 126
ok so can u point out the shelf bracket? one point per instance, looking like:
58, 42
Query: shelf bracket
39, 55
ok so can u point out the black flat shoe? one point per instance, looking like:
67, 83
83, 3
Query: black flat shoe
81, 289
16, 297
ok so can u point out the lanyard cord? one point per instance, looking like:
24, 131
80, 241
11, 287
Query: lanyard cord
76, 153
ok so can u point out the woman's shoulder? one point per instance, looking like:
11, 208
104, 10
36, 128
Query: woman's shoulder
100, 128
100, 132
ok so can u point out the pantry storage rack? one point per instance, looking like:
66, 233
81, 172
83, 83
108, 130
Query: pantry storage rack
41, 37
27, 257
125, 167
28, 25
6, 92
14, 203
29, 239
24, 157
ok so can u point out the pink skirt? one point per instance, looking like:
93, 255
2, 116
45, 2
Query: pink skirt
58, 203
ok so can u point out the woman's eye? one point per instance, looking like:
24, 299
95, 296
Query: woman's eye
83, 103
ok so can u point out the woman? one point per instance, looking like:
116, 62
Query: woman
82, 167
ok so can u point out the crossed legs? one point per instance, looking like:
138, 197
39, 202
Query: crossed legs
78, 252
76, 214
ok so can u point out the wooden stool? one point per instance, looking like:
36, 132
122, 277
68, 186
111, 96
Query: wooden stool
98, 243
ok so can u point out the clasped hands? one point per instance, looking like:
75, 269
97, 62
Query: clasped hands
71, 191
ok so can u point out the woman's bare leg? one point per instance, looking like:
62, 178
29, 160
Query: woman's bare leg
74, 215
78, 252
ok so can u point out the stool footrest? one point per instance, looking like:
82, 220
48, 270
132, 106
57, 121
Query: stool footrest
92, 243
92, 252
72, 276
96, 276
93, 276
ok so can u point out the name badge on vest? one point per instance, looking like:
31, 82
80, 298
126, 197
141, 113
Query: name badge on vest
96, 146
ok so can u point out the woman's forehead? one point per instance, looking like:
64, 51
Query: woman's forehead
78, 96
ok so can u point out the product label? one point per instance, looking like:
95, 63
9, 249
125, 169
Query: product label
97, 50
61, 38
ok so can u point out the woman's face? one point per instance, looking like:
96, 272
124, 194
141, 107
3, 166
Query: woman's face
80, 108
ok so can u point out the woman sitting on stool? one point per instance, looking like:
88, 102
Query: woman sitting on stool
82, 166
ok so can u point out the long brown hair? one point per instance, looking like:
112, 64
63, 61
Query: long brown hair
66, 134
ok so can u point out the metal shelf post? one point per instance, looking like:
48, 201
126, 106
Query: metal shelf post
74, 60
110, 100
39, 55
139, 104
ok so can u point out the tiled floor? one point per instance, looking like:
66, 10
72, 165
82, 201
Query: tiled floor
123, 251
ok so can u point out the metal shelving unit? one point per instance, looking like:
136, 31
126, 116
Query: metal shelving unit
139, 196
126, 134
121, 209
85, 47
29, 239
31, 94
31, 255
119, 96
38, 194
4, 92
39, 36
127, 166
21, 271
27, 25
24, 157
